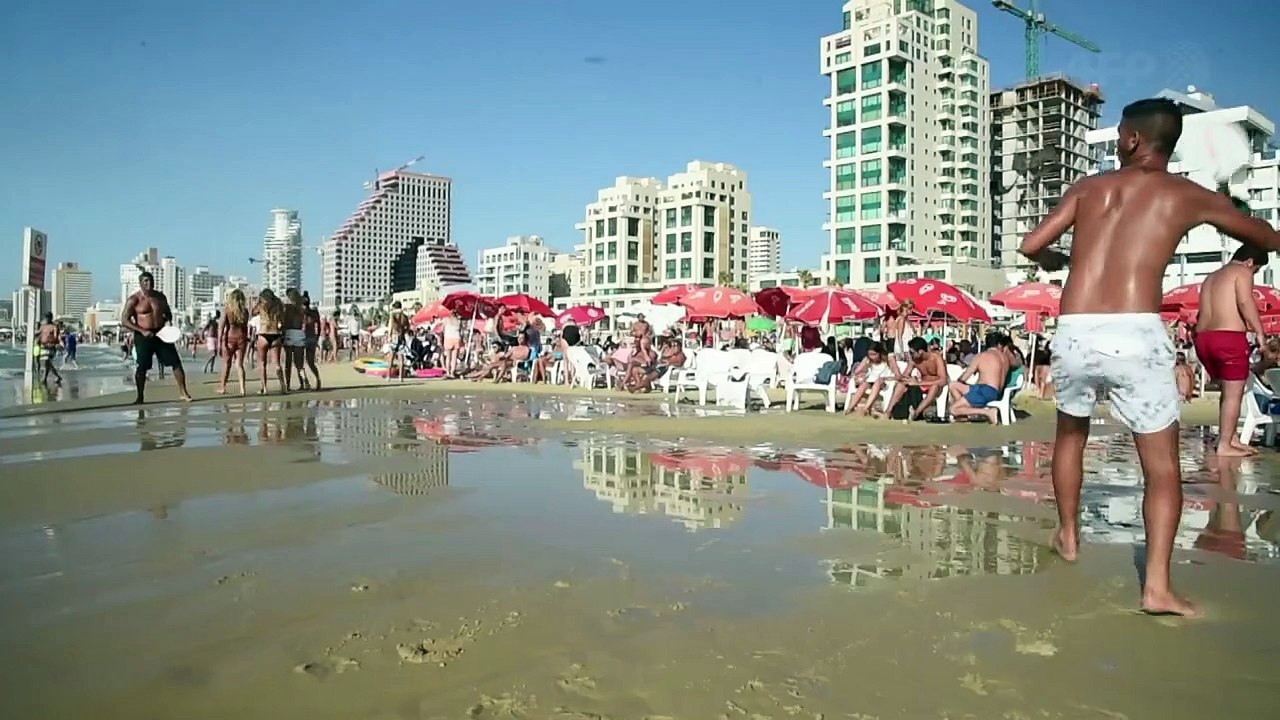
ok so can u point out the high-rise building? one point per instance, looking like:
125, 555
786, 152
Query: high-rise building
171, 279
705, 213
522, 265
1204, 250
203, 299
909, 164
72, 290
764, 252
568, 277
146, 261
399, 238
1038, 148
282, 252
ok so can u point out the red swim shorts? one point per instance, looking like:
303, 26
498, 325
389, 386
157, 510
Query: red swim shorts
1224, 354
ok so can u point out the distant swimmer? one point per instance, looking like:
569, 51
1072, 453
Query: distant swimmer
145, 313
1110, 338
1227, 312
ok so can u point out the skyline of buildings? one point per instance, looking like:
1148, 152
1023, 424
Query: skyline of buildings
72, 290
282, 252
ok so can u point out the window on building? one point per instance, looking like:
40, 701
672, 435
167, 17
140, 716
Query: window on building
709, 215
613, 273
686, 268
871, 270
872, 75
633, 227
613, 251
842, 272
844, 240
708, 242
671, 269
844, 57
671, 243
872, 49
599, 251
871, 139
870, 238
848, 21
846, 115
600, 275
709, 269
633, 250
846, 176
599, 228
871, 206
613, 227
633, 274
686, 216
845, 208
871, 174
847, 144
872, 106
671, 217
686, 242
846, 81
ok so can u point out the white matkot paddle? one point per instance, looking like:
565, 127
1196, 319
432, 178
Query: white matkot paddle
169, 334
1214, 154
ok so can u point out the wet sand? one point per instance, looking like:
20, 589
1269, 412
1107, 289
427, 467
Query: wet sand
442, 550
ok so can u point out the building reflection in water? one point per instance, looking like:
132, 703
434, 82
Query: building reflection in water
700, 491
902, 494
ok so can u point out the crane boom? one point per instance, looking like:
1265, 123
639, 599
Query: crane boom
1036, 27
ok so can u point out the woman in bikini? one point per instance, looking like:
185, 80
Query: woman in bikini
452, 344
233, 337
295, 341
270, 338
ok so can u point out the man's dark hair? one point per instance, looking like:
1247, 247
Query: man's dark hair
992, 339
1157, 120
1247, 252
146, 276
918, 344
878, 348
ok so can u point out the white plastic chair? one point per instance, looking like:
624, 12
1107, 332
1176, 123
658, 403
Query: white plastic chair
803, 374
712, 370
1252, 416
944, 398
586, 370
1004, 406
677, 379
1273, 379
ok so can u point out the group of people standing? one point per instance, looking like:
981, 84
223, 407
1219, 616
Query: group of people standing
284, 333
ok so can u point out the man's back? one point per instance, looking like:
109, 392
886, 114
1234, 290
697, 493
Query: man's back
992, 367
1219, 308
1127, 225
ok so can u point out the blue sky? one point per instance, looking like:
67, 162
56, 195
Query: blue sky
181, 124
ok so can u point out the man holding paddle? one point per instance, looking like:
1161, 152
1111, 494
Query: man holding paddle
1127, 225
146, 313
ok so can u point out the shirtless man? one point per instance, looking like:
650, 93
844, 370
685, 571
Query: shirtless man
933, 376
1227, 311
312, 327
50, 340
1127, 225
145, 313
641, 328
991, 366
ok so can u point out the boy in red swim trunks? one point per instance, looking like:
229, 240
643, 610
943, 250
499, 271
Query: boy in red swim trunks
1227, 311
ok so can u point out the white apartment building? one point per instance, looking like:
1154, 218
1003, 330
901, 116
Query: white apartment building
72, 290
909, 158
149, 261
1039, 147
202, 285
620, 245
764, 252
399, 238
282, 252
1204, 250
22, 301
521, 265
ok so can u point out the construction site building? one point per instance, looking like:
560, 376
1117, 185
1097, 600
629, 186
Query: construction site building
1038, 148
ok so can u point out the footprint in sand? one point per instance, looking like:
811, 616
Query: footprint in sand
508, 705
574, 682
228, 578
431, 651
321, 669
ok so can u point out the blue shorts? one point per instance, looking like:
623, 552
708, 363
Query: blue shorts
979, 396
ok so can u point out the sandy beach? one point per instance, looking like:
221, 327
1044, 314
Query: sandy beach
453, 550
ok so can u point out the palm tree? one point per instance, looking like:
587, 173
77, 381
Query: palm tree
725, 278
806, 279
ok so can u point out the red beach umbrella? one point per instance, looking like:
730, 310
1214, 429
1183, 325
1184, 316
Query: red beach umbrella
707, 465
1032, 298
834, 306
778, 301
431, 313
584, 315
720, 302
672, 294
526, 304
930, 296
882, 298
466, 304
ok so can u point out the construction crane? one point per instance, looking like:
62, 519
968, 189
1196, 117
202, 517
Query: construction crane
1037, 26
374, 182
